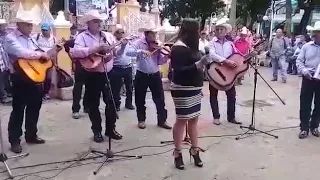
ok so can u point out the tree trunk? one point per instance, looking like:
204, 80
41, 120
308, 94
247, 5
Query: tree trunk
233, 13
305, 20
203, 22
287, 27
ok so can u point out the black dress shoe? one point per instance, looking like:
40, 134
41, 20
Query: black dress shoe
131, 107
118, 109
233, 121
315, 132
303, 134
164, 125
98, 138
35, 140
114, 135
16, 148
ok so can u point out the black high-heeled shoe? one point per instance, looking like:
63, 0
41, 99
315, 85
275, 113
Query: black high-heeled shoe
194, 152
178, 160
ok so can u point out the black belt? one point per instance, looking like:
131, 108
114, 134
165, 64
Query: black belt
148, 74
123, 66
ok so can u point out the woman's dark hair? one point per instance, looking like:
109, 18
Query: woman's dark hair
189, 33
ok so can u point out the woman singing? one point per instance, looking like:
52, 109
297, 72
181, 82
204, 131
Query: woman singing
187, 82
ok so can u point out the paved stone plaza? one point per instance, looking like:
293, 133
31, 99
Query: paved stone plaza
255, 158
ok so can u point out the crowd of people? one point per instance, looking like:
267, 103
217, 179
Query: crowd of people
192, 51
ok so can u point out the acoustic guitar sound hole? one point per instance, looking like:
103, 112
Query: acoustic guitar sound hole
220, 74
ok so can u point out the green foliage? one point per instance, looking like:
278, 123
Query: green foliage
174, 10
255, 9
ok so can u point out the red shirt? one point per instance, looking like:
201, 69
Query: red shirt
242, 46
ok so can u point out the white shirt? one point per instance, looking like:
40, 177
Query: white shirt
202, 45
221, 50
45, 43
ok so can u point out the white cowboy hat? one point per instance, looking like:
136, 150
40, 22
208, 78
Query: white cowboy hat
3, 21
244, 31
151, 26
316, 26
26, 17
93, 14
223, 23
119, 26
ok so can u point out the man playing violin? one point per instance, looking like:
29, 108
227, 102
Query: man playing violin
27, 96
220, 50
90, 42
122, 69
149, 57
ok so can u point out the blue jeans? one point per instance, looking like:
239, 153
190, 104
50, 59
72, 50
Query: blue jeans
279, 64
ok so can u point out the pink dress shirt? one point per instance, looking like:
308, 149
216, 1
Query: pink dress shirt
86, 40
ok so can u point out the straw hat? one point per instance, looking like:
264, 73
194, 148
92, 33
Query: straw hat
223, 23
26, 17
244, 31
151, 26
93, 14
316, 26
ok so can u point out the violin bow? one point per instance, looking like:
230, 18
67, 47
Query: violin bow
160, 47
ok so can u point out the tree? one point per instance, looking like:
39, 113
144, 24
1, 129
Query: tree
177, 9
308, 6
251, 11
287, 26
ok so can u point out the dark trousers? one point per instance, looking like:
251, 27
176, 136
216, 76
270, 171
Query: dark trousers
5, 86
231, 103
310, 92
47, 82
292, 67
118, 75
79, 81
141, 84
95, 85
27, 101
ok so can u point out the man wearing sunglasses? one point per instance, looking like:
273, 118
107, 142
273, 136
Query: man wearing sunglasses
121, 72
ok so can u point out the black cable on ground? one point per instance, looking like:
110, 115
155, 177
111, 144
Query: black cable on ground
131, 149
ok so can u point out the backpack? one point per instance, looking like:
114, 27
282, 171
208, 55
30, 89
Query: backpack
38, 36
284, 42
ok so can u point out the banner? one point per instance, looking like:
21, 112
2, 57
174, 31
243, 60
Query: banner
84, 6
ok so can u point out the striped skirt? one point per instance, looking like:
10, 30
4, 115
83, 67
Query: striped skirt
187, 103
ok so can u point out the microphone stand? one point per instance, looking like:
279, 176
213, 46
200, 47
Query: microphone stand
109, 154
186, 139
251, 128
4, 157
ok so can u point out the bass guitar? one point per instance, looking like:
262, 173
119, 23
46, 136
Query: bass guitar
223, 77
96, 59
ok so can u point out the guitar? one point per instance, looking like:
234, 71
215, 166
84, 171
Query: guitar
96, 59
223, 77
36, 69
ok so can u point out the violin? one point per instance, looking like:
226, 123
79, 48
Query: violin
164, 49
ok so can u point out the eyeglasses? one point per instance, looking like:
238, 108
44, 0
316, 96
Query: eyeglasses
120, 32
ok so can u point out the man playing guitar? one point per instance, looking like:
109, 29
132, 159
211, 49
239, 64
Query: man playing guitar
90, 42
27, 96
220, 50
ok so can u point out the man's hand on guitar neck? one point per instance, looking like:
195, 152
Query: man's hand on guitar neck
229, 63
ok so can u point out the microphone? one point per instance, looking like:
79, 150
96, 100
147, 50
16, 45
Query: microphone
207, 50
